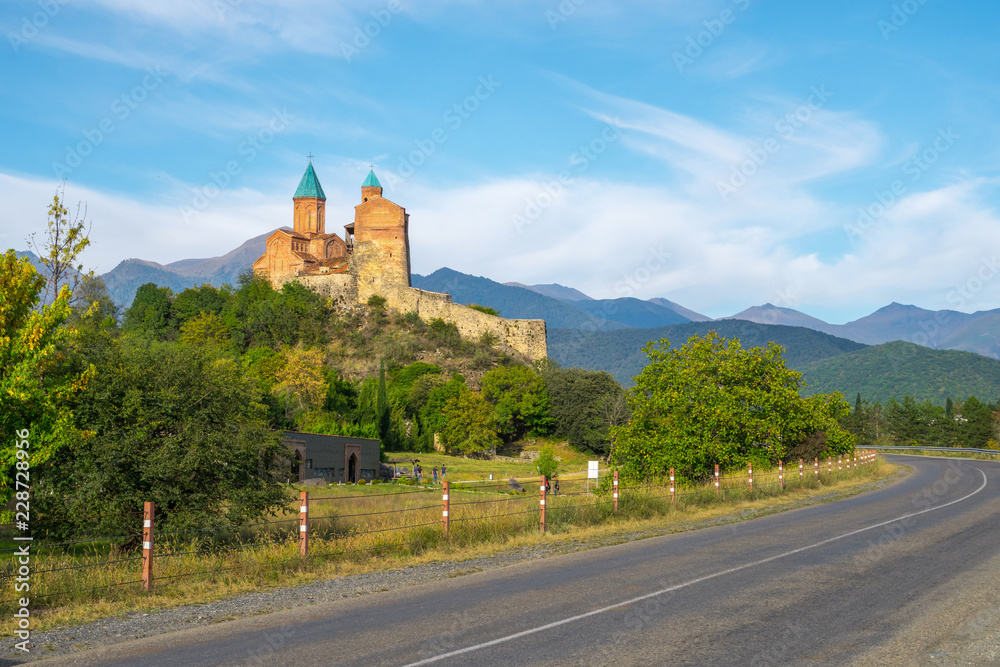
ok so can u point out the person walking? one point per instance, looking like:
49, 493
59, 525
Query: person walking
444, 472
435, 474
419, 471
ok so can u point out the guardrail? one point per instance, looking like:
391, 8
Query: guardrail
939, 449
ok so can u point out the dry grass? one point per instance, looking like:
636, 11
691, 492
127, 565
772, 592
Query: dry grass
361, 529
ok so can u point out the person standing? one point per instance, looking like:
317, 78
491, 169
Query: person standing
435, 474
444, 472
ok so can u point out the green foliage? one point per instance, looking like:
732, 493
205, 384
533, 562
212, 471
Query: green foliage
520, 401
444, 334
376, 302
65, 238
194, 301
258, 315
546, 462
172, 424
584, 405
712, 402
35, 394
469, 423
150, 314
484, 309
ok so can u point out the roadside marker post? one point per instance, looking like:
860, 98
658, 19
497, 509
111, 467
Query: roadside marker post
750, 477
802, 472
541, 505
148, 510
672, 492
614, 492
716, 479
816, 466
840, 463
304, 523
829, 465
781, 476
444, 508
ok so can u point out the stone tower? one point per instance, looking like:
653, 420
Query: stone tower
381, 248
310, 205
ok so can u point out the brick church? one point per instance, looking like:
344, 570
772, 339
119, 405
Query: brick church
373, 258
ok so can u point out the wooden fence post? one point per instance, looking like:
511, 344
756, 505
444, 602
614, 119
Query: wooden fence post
750, 476
304, 523
615, 490
148, 510
671, 486
444, 508
716, 479
781, 476
541, 505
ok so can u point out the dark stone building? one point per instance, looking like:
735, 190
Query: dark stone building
335, 458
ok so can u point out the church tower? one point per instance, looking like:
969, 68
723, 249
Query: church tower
310, 205
381, 256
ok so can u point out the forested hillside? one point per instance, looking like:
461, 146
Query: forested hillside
899, 369
620, 352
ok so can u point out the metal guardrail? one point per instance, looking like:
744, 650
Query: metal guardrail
940, 449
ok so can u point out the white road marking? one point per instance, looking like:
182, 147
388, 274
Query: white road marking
618, 605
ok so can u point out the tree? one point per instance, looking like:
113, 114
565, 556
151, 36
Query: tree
712, 402
583, 405
470, 424
65, 239
172, 424
34, 397
520, 401
206, 329
299, 381
546, 462
150, 313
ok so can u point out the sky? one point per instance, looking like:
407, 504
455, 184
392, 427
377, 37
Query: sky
826, 157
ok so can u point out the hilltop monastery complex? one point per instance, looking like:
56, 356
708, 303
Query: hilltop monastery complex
373, 258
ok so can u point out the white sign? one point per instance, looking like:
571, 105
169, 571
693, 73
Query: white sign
592, 469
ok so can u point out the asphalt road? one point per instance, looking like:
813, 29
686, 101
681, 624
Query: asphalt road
881, 578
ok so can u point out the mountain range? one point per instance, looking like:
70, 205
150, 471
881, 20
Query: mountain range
608, 334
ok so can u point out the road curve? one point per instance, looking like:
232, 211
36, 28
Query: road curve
880, 578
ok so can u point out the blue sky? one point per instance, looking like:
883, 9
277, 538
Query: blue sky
828, 157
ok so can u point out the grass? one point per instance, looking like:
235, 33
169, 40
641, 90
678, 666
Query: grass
364, 528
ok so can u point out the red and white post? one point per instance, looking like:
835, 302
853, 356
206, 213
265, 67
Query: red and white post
148, 510
541, 505
716, 479
304, 523
802, 472
816, 466
750, 476
614, 490
444, 507
781, 476
672, 490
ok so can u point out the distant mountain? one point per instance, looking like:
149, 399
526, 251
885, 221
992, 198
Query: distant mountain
632, 312
899, 369
680, 310
511, 302
620, 352
555, 291
123, 280
771, 314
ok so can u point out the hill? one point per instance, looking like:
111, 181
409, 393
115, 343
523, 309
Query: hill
899, 369
620, 352
554, 290
511, 302
123, 280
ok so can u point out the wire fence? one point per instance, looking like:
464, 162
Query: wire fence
352, 527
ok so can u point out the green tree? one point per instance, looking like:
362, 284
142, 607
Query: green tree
520, 401
65, 238
470, 423
546, 462
580, 405
173, 424
194, 301
712, 402
35, 398
205, 329
150, 313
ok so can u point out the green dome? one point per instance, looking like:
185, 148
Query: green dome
309, 185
